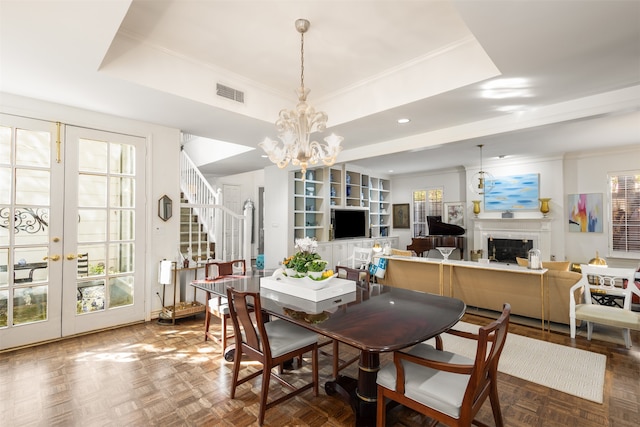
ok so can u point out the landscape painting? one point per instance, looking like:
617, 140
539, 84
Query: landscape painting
586, 213
513, 193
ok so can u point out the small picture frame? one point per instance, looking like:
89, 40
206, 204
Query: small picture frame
454, 213
401, 215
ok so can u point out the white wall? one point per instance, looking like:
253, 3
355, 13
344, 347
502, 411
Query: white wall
577, 173
278, 220
162, 162
249, 183
403, 186
550, 172
586, 172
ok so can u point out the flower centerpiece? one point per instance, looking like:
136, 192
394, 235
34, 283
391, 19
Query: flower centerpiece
315, 268
298, 264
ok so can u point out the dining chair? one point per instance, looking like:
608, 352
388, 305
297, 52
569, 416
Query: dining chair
270, 343
445, 386
218, 306
83, 265
362, 279
602, 289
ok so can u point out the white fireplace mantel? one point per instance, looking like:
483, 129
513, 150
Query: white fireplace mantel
537, 230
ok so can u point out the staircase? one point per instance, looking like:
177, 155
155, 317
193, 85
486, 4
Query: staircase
193, 237
207, 227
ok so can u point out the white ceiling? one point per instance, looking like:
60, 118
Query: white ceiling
367, 64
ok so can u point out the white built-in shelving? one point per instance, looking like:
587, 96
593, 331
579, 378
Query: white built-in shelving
338, 187
380, 207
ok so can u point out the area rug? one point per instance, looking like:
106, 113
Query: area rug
570, 370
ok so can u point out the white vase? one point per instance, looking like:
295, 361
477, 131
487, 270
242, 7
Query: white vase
315, 274
290, 272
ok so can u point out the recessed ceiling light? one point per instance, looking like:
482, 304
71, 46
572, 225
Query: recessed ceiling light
390, 170
403, 121
264, 156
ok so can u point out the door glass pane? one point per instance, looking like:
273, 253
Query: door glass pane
29, 265
5, 216
34, 187
31, 226
122, 225
33, 148
120, 291
94, 258
4, 269
92, 225
121, 258
123, 159
122, 192
5, 189
29, 304
92, 191
105, 277
92, 156
5, 145
4, 293
90, 296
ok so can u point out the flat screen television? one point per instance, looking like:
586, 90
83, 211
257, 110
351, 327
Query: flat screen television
349, 223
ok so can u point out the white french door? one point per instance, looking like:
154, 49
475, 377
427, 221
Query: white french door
71, 230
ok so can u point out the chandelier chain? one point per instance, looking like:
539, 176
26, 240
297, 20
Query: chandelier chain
296, 126
302, 59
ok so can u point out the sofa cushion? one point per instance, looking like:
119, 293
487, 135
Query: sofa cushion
556, 265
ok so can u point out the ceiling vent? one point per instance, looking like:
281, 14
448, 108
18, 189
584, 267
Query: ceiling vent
229, 93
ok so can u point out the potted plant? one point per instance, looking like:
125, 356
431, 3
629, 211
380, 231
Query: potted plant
315, 268
296, 265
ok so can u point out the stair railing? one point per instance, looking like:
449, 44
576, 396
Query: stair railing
231, 232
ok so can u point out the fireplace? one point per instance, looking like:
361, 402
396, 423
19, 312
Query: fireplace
506, 250
508, 236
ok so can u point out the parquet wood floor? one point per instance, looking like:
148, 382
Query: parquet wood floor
155, 375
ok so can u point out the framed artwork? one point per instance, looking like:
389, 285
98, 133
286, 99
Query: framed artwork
586, 213
401, 215
513, 193
454, 213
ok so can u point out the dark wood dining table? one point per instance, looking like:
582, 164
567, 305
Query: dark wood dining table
375, 320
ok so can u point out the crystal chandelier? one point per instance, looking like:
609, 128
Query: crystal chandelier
296, 126
482, 182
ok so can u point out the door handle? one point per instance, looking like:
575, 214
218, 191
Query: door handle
52, 258
74, 256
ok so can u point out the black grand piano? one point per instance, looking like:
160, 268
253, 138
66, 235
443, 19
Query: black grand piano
441, 234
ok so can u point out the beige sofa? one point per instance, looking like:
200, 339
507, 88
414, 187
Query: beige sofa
530, 294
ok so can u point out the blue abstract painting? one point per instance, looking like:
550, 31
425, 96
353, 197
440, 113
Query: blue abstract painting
516, 192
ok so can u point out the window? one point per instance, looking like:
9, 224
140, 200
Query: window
624, 225
425, 203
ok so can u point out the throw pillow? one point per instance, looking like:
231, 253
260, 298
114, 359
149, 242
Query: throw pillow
556, 265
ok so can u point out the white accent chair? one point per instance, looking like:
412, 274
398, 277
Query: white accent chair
360, 258
607, 286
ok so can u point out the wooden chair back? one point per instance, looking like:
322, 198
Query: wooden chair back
253, 337
482, 382
225, 268
361, 277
